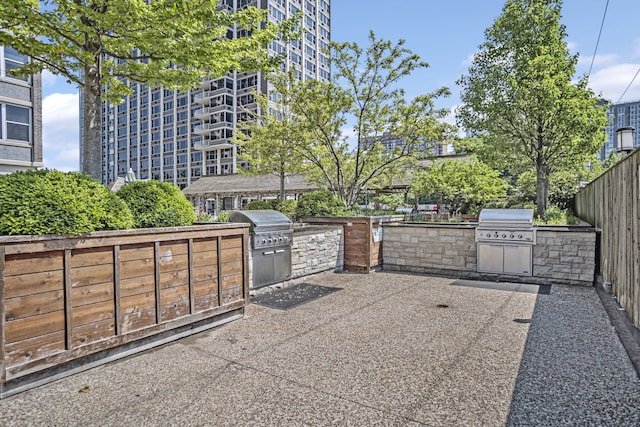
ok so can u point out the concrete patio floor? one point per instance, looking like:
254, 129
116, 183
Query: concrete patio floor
387, 349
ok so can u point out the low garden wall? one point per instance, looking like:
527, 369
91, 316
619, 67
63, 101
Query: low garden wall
68, 303
562, 255
316, 249
363, 239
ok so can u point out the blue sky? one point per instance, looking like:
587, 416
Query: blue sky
444, 33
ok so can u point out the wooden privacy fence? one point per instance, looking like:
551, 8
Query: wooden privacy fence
611, 203
65, 299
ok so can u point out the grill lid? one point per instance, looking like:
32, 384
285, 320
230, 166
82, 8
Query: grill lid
506, 217
261, 219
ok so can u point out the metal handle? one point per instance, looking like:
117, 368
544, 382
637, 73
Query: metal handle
279, 251
268, 253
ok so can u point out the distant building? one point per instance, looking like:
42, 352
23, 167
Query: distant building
427, 148
178, 137
621, 115
20, 115
216, 193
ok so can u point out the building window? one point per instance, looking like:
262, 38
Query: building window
11, 60
15, 122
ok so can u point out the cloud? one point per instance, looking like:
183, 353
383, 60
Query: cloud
48, 78
60, 131
611, 82
599, 61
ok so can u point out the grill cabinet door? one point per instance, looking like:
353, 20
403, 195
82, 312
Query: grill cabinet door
517, 259
490, 258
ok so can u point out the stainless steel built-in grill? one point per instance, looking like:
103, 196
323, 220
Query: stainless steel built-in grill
271, 235
505, 240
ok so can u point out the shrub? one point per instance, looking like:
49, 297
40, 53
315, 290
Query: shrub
288, 207
52, 202
319, 203
256, 205
157, 204
223, 216
556, 216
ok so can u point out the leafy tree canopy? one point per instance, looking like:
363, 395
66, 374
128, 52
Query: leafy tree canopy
365, 92
459, 184
102, 45
518, 94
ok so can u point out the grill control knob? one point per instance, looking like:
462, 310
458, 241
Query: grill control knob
264, 241
495, 235
519, 236
511, 236
504, 236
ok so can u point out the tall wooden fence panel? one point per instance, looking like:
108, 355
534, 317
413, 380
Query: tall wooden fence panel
63, 300
611, 204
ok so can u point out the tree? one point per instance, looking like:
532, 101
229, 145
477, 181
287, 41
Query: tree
101, 45
270, 138
459, 184
365, 90
519, 96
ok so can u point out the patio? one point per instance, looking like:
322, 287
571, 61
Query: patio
386, 349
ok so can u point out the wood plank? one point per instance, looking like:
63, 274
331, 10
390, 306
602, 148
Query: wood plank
144, 251
137, 268
138, 320
231, 295
32, 244
30, 327
3, 371
206, 302
232, 281
33, 283
117, 297
231, 242
32, 349
174, 248
203, 259
33, 305
175, 263
107, 343
206, 288
192, 303
137, 285
203, 274
92, 294
174, 310
93, 313
68, 303
174, 278
175, 294
157, 281
91, 257
90, 275
92, 332
138, 302
232, 267
209, 244
233, 254
17, 265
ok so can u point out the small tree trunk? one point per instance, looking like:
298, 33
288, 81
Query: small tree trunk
542, 190
92, 147
283, 177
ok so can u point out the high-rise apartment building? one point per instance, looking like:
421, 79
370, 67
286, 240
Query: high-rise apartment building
621, 115
20, 115
179, 136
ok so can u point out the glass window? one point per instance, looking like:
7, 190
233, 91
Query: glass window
18, 122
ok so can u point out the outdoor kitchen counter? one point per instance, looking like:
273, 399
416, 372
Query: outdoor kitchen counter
562, 254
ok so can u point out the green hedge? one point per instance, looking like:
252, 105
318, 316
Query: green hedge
52, 202
319, 203
157, 204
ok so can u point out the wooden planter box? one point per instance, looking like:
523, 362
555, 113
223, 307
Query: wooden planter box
362, 239
66, 303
